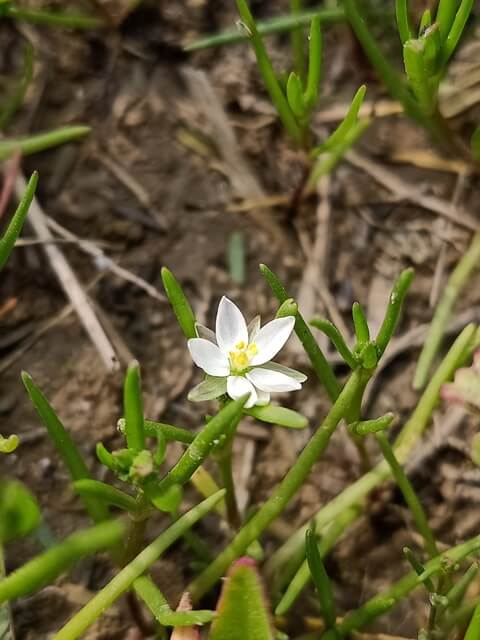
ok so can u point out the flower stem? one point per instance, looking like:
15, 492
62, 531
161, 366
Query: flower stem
224, 460
285, 490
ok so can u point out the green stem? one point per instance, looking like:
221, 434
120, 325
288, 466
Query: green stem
224, 460
220, 426
409, 495
138, 566
43, 569
285, 491
357, 492
454, 287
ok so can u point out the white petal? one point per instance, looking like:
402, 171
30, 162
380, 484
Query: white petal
208, 357
271, 338
263, 398
238, 386
253, 329
231, 327
296, 375
208, 389
272, 381
205, 332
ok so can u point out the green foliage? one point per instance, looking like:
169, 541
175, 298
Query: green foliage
7, 242
180, 305
43, 569
19, 511
242, 610
321, 581
64, 445
9, 444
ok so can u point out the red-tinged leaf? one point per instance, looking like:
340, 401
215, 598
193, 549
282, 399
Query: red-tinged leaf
243, 611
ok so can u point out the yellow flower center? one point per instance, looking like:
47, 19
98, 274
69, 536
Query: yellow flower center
240, 358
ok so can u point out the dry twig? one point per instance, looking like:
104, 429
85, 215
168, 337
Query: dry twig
69, 281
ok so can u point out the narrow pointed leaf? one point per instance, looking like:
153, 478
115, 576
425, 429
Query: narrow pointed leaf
295, 95
133, 408
106, 493
180, 305
64, 444
42, 141
346, 125
403, 22
148, 591
268, 74
7, 242
280, 416
314, 65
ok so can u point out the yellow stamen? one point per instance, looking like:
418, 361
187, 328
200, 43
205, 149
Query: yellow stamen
240, 345
252, 349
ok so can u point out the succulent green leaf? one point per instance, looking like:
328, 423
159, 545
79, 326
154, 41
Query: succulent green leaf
364, 427
9, 444
280, 416
242, 608
314, 65
133, 408
19, 511
106, 493
403, 23
295, 95
268, 74
64, 445
332, 332
180, 305
455, 33
321, 579
340, 133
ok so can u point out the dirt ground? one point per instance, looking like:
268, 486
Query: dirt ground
152, 185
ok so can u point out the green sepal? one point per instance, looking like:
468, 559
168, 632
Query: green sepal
209, 389
19, 511
280, 416
242, 609
9, 444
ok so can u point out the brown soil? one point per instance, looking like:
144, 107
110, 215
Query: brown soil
129, 86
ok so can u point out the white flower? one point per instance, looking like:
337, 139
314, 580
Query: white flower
237, 358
